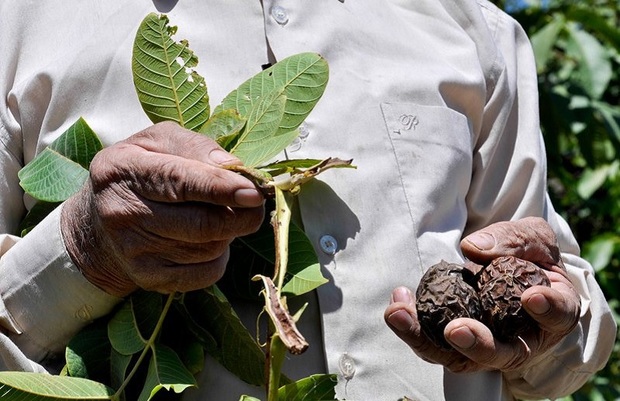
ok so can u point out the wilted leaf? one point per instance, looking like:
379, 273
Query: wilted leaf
284, 324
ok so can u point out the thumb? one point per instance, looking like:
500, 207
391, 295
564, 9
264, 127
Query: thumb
530, 238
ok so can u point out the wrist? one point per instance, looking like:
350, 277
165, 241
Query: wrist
94, 256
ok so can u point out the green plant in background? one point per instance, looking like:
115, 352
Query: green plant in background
155, 341
577, 48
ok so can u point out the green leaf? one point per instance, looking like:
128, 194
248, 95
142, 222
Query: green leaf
166, 371
87, 354
35, 215
119, 364
78, 143
258, 142
303, 270
544, 40
163, 71
124, 333
147, 307
224, 127
301, 79
594, 67
593, 20
192, 355
52, 177
611, 116
248, 398
600, 251
60, 169
592, 179
237, 350
289, 166
315, 387
24, 386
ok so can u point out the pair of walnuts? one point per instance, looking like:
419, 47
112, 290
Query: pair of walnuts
493, 296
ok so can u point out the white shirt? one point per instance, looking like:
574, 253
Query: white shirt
436, 102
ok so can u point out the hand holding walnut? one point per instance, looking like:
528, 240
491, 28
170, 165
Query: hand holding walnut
555, 308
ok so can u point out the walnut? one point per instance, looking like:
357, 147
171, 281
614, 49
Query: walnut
501, 284
492, 296
446, 292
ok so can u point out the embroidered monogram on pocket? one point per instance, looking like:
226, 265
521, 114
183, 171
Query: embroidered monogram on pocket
433, 150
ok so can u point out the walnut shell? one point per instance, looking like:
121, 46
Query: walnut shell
501, 284
445, 293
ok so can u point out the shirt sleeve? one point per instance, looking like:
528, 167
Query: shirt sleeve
44, 299
508, 183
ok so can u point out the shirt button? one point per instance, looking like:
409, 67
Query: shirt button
303, 131
347, 366
279, 14
295, 145
328, 244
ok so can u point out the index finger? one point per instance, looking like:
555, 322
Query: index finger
172, 166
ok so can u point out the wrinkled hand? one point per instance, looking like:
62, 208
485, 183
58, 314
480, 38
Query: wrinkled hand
555, 308
158, 213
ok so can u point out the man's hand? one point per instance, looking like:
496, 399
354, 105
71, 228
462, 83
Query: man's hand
159, 212
555, 308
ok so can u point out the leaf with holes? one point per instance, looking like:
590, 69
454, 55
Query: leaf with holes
168, 87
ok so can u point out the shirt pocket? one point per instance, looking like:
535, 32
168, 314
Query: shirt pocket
432, 146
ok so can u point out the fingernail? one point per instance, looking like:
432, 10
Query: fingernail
221, 157
482, 241
538, 304
401, 321
402, 294
248, 197
462, 337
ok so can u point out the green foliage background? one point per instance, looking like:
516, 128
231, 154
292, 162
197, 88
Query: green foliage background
577, 47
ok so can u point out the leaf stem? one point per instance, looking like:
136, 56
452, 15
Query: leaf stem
275, 356
281, 222
147, 347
